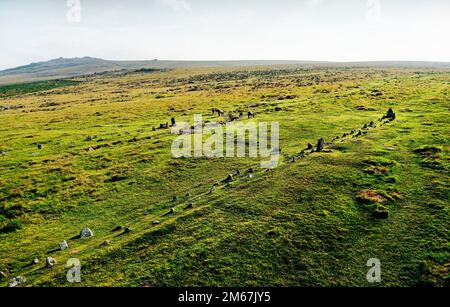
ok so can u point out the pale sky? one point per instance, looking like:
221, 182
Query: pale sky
324, 30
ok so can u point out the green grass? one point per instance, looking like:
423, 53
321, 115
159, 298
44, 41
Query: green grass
301, 224
11, 90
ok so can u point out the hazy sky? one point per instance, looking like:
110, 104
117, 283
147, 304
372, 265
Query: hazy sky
333, 30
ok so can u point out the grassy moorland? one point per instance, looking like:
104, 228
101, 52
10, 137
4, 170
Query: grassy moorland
86, 155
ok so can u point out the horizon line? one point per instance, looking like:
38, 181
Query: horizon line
233, 60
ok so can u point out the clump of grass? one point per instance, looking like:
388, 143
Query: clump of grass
11, 211
377, 170
9, 225
428, 150
380, 211
430, 156
379, 161
375, 203
370, 197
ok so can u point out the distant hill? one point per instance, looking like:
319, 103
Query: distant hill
73, 67
64, 67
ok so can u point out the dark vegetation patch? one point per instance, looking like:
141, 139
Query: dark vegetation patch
427, 150
11, 90
7, 225
374, 202
430, 156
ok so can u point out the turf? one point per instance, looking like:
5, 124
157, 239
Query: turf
313, 221
11, 90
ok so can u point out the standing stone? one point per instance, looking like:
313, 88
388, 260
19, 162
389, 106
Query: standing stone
50, 262
117, 228
172, 120
35, 260
86, 233
127, 230
320, 144
2, 275
63, 245
229, 178
213, 189
390, 114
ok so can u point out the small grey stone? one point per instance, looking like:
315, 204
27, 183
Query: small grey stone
50, 261
63, 245
86, 233
213, 189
